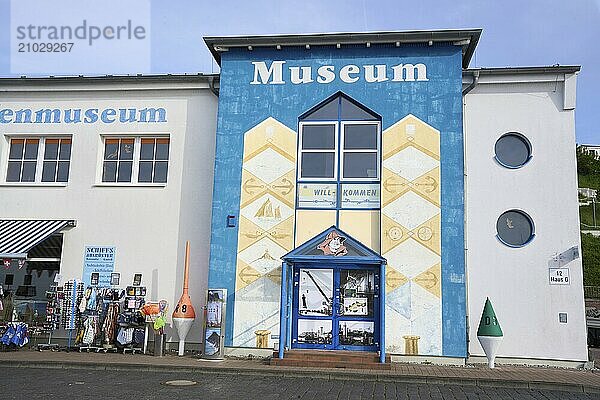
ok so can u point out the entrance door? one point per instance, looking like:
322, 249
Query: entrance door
336, 307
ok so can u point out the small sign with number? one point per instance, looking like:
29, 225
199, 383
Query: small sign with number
559, 276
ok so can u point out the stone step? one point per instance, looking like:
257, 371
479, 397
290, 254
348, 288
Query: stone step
331, 359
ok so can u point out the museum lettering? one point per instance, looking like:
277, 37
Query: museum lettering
78, 115
273, 74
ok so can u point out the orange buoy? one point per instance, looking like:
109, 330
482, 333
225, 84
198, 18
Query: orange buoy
184, 308
184, 314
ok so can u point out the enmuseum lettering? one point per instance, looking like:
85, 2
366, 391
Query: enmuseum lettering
78, 115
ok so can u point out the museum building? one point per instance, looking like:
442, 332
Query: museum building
360, 191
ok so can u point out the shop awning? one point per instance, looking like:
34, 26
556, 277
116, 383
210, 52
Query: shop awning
17, 237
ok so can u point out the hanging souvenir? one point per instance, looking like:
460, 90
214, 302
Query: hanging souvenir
6, 262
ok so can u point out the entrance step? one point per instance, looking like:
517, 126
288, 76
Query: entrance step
331, 359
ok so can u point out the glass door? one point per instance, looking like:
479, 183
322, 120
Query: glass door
336, 308
358, 309
313, 308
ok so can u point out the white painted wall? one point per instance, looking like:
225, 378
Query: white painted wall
516, 279
148, 225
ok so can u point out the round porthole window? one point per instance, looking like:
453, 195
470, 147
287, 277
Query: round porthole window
515, 228
513, 150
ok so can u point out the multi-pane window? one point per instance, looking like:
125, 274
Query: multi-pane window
339, 156
360, 154
57, 156
39, 159
135, 159
154, 160
318, 151
118, 159
339, 140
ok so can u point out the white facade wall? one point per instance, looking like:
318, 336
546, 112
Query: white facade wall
517, 279
148, 224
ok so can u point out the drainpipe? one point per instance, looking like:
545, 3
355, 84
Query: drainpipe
211, 84
473, 84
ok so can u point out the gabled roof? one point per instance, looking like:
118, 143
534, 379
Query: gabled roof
466, 38
313, 249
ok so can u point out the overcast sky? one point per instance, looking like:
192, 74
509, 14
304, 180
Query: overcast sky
515, 33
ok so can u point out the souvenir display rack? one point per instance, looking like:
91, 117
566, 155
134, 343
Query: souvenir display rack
99, 309
53, 313
98, 319
131, 322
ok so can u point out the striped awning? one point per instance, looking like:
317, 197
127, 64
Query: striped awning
17, 237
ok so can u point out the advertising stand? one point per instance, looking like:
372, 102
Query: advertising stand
214, 324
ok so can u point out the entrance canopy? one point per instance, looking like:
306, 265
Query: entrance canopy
333, 249
333, 244
17, 237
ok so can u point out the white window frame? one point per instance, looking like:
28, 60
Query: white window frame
137, 137
334, 150
377, 151
39, 160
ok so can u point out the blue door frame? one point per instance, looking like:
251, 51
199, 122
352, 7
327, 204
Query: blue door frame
307, 256
286, 316
336, 317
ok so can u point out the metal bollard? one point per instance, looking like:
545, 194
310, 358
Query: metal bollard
262, 339
411, 345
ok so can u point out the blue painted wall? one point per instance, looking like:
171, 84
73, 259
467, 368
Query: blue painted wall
437, 102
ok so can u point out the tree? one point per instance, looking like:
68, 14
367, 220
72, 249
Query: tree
587, 164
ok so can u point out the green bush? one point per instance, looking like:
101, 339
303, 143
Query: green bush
590, 249
586, 216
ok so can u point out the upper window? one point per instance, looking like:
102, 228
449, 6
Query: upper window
339, 140
135, 159
513, 150
39, 159
318, 151
360, 151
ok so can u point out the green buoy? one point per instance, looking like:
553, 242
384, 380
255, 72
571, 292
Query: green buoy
489, 332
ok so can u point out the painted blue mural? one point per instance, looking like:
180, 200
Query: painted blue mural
395, 82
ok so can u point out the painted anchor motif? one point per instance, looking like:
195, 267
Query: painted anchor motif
429, 281
249, 186
246, 275
393, 280
430, 184
260, 233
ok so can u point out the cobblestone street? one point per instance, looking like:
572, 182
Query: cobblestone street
36, 383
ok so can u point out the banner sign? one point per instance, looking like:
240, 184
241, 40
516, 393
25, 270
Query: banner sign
101, 260
360, 195
317, 195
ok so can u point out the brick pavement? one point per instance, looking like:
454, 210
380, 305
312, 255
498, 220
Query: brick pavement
90, 384
480, 375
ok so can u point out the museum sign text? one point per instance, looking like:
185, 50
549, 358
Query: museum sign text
277, 74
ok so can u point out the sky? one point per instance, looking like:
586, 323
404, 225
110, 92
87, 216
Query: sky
515, 33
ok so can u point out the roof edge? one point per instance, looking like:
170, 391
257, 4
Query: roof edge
567, 69
467, 38
138, 78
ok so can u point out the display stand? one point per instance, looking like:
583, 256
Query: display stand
73, 291
90, 314
134, 300
214, 324
152, 311
53, 314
